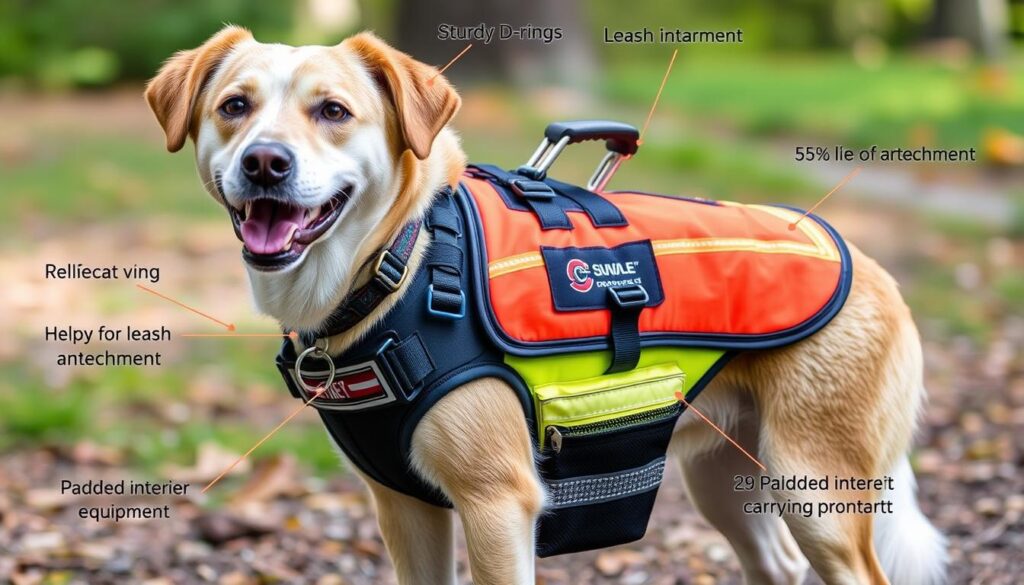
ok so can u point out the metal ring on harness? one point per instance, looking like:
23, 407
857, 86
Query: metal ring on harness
318, 353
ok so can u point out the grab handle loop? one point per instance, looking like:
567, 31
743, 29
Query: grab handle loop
621, 140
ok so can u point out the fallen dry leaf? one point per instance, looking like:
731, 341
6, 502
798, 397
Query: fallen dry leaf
211, 460
612, 562
273, 477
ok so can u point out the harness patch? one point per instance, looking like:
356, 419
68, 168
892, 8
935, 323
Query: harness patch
354, 387
580, 278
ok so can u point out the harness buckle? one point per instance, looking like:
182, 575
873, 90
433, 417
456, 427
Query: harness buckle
452, 315
628, 297
530, 189
390, 271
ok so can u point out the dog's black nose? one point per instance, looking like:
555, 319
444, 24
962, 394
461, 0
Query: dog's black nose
267, 164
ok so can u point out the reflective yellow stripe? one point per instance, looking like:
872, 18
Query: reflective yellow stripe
514, 263
705, 245
821, 248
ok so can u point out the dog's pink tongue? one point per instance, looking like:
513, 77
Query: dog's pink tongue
269, 226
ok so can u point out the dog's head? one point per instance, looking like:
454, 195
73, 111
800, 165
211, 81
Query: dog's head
313, 150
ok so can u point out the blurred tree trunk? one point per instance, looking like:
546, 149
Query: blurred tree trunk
568, 61
982, 23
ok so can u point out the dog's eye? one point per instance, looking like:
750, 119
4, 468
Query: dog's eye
334, 112
234, 106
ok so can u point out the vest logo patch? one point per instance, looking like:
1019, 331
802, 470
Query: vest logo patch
580, 278
579, 275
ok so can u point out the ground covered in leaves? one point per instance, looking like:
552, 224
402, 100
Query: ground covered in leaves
280, 527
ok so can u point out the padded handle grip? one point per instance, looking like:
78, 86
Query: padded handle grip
618, 137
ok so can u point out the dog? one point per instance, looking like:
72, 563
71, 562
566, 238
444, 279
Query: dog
343, 145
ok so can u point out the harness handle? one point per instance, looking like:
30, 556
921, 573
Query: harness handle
619, 137
621, 140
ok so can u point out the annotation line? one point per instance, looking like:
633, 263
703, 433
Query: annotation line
294, 413
681, 398
291, 335
228, 326
657, 97
845, 180
450, 63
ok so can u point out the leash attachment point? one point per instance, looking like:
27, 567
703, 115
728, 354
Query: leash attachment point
318, 353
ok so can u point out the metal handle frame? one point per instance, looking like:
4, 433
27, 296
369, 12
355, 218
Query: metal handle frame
542, 159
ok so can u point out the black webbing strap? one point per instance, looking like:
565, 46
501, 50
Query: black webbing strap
625, 303
537, 195
602, 212
445, 297
408, 362
390, 267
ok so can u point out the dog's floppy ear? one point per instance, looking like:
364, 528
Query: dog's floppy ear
423, 99
173, 93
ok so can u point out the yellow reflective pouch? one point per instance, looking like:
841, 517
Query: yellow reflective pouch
571, 390
607, 397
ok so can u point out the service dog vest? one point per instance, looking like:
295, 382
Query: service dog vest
600, 310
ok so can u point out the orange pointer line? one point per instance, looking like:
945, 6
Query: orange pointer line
292, 335
450, 63
845, 180
681, 398
294, 413
229, 326
664, 80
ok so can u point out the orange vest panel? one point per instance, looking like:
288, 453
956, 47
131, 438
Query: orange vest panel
728, 271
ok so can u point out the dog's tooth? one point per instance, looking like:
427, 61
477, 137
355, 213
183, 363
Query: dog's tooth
312, 215
291, 238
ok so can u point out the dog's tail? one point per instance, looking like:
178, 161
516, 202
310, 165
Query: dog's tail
910, 549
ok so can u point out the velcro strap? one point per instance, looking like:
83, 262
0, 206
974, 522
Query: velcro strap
538, 196
625, 303
409, 363
602, 212
443, 219
447, 255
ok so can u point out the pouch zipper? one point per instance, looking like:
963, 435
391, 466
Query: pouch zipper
555, 434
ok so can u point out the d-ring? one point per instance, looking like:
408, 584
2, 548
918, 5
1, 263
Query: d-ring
319, 354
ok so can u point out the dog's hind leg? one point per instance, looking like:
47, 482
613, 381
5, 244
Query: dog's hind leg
766, 550
418, 537
842, 404
475, 446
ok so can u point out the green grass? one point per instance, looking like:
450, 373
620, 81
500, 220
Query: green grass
833, 97
91, 177
120, 409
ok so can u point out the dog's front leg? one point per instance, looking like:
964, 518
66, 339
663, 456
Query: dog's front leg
475, 446
418, 537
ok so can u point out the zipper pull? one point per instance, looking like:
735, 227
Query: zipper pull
555, 439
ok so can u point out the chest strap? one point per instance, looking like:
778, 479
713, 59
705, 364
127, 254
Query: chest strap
390, 269
393, 374
444, 261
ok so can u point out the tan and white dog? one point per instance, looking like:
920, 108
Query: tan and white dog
321, 154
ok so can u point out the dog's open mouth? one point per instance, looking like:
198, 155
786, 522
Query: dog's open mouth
275, 233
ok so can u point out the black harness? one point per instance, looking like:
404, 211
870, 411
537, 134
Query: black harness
427, 344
